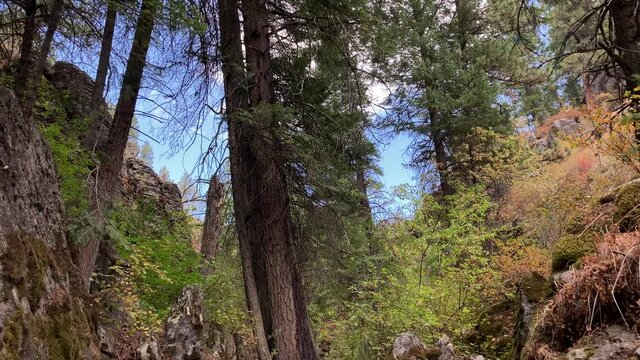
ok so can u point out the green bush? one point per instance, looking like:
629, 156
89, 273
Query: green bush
156, 250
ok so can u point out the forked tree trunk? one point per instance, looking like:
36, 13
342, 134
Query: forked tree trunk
109, 170
236, 101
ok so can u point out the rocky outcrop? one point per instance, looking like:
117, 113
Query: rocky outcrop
408, 346
184, 328
493, 333
40, 314
532, 290
77, 87
613, 342
140, 182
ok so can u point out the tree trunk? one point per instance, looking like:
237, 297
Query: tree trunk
291, 332
31, 95
97, 96
365, 205
109, 170
236, 99
626, 24
123, 117
26, 50
440, 154
212, 222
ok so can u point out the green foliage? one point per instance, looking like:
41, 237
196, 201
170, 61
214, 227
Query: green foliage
432, 276
73, 165
224, 297
73, 162
156, 250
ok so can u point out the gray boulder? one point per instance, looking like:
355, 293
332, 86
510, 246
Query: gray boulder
615, 342
407, 346
183, 329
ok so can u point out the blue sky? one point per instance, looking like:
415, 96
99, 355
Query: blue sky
392, 151
393, 155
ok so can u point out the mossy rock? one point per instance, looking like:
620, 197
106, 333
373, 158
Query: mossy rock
494, 329
627, 206
535, 287
569, 249
575, 225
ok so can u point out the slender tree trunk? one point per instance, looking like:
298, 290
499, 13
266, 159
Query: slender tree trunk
236, 100
440, 154
108, 173
31, 95
25, 62
365, 205
212, 222
97, 96
291, 327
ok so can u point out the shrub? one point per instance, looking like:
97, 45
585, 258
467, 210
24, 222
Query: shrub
156, 254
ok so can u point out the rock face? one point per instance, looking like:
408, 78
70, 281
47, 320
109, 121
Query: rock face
40, 315
445, 347
533, 289
615, 342
493, 333
184, 327
140, 182
78, 86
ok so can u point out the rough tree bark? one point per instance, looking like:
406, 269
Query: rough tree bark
25, 62
236, 100
270, 199
626, 25
261, 202
212, 228
108, 174
440, 154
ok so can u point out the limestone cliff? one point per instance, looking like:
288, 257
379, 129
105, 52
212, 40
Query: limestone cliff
41, 315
